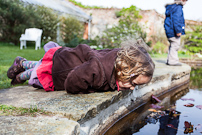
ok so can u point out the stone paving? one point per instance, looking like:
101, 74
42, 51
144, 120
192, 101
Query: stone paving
83, 113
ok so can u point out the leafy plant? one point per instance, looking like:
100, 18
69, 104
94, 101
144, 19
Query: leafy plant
16, 16
195, 78
194, 40
159, 48
48, 21
76, 41
128, 27
71, 30
84, 6
118, 14
13, 20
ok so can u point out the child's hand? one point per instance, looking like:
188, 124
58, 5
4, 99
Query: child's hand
179, 34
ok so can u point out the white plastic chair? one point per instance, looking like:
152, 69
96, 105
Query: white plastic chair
31, 34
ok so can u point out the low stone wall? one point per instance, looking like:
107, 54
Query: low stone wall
195, 63
84, 114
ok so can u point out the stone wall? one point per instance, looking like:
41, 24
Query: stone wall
151, 21
102, 19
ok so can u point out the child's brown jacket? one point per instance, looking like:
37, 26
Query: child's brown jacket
84, 70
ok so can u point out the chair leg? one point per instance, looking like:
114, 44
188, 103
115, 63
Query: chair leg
21, 44
25, 43
35, 45
39, 44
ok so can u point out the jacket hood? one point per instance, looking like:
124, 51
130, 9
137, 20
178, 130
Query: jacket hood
171, 6
176, 2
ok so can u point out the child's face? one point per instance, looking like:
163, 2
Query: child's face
141, 79
184, 2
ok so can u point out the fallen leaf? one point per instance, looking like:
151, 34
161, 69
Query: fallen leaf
199, 106
189, 105
188, 127
152, 110
184, 99
155, 99
156, 106
187, 124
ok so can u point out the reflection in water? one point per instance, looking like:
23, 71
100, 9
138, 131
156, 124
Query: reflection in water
135, 122
196, 78
169, 123
172, 119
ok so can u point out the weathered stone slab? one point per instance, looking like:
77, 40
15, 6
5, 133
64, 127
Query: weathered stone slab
11, 125
74, 107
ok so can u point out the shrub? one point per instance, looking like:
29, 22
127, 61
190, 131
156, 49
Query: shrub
159, 48
193, 40
71, 30
16, 16
46, 20
118, 14
128, 27
13, 20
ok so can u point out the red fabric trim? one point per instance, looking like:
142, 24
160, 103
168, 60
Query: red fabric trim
44, 71
117, 85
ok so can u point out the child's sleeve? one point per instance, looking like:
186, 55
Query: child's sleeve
88, 75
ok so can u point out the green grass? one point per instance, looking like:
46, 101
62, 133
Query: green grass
8, 52
16, 111
164, 55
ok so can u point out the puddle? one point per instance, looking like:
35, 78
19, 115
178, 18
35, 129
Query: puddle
176, 118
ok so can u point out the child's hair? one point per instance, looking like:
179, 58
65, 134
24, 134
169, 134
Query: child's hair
133, 60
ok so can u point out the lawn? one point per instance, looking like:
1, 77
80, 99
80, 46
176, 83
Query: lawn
8, 52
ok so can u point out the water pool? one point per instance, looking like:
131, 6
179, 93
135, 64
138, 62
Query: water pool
170, 120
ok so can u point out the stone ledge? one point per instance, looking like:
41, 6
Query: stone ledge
75, 107
38, 125
92, 111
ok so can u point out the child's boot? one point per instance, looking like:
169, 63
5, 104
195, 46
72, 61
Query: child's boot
17, 80
16, 68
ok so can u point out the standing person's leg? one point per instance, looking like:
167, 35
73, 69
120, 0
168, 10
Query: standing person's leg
172, 58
